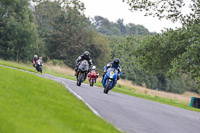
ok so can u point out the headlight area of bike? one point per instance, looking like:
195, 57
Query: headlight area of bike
112, 74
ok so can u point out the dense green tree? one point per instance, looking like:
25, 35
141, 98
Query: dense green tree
63, 29
19, 37
135, 30
189, 60
174, 50
68, 33
118, 28
106, 27
128, 53
114, 41
121, 26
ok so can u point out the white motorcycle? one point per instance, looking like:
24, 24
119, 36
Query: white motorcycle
38, 65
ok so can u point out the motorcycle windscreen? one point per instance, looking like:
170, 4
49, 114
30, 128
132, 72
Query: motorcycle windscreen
39, 62
84, 66
111, 73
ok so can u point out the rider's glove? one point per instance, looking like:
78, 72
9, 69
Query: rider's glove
77, 64
33, 65
104, 72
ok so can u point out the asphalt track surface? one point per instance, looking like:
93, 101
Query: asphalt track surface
135, 115
131, 114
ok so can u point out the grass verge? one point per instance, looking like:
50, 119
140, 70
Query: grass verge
23, 66
66, 72
32, 104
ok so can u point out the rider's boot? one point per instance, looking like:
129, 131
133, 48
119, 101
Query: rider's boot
75, 71
102, 78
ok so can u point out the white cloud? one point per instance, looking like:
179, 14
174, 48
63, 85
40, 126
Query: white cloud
115, 9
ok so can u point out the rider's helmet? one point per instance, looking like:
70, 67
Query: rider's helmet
35, 57
116, 62
93, 67
86, 54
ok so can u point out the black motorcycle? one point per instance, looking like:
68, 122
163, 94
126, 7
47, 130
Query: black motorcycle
82, 72
38, 66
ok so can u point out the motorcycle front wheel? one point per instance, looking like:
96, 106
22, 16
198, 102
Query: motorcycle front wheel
40, 69
106, 89
92, 82
80, 79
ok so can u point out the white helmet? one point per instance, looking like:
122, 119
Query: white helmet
93, 67
35, 57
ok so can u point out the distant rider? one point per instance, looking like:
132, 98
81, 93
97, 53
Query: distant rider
115, 64
93, 70
85, 56
35, 59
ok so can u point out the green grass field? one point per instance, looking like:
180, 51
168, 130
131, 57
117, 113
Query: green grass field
30, 104
118, 88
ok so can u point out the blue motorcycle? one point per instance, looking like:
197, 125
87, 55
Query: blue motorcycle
110, 79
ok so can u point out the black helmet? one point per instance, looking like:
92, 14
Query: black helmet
86, 54
116, 62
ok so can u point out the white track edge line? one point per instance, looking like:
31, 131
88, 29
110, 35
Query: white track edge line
87, 104
79, 97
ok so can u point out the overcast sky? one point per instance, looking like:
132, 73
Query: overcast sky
115, 9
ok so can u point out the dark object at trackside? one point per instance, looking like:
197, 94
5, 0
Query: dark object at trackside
195, 102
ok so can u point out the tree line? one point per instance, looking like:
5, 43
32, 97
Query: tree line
59, 30
174, 53
52, 29
146, 56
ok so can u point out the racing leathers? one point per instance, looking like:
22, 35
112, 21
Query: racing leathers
34, 61
81, 58
111, 65
35, 64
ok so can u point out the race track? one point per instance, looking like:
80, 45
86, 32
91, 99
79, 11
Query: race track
132, 114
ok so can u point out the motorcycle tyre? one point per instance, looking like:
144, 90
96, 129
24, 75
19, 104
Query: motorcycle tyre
40, 69
106, 89
92, 82
80, 79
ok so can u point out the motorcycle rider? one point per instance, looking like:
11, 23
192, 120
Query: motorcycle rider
94, 69
84, 56
115, 64
35, 59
